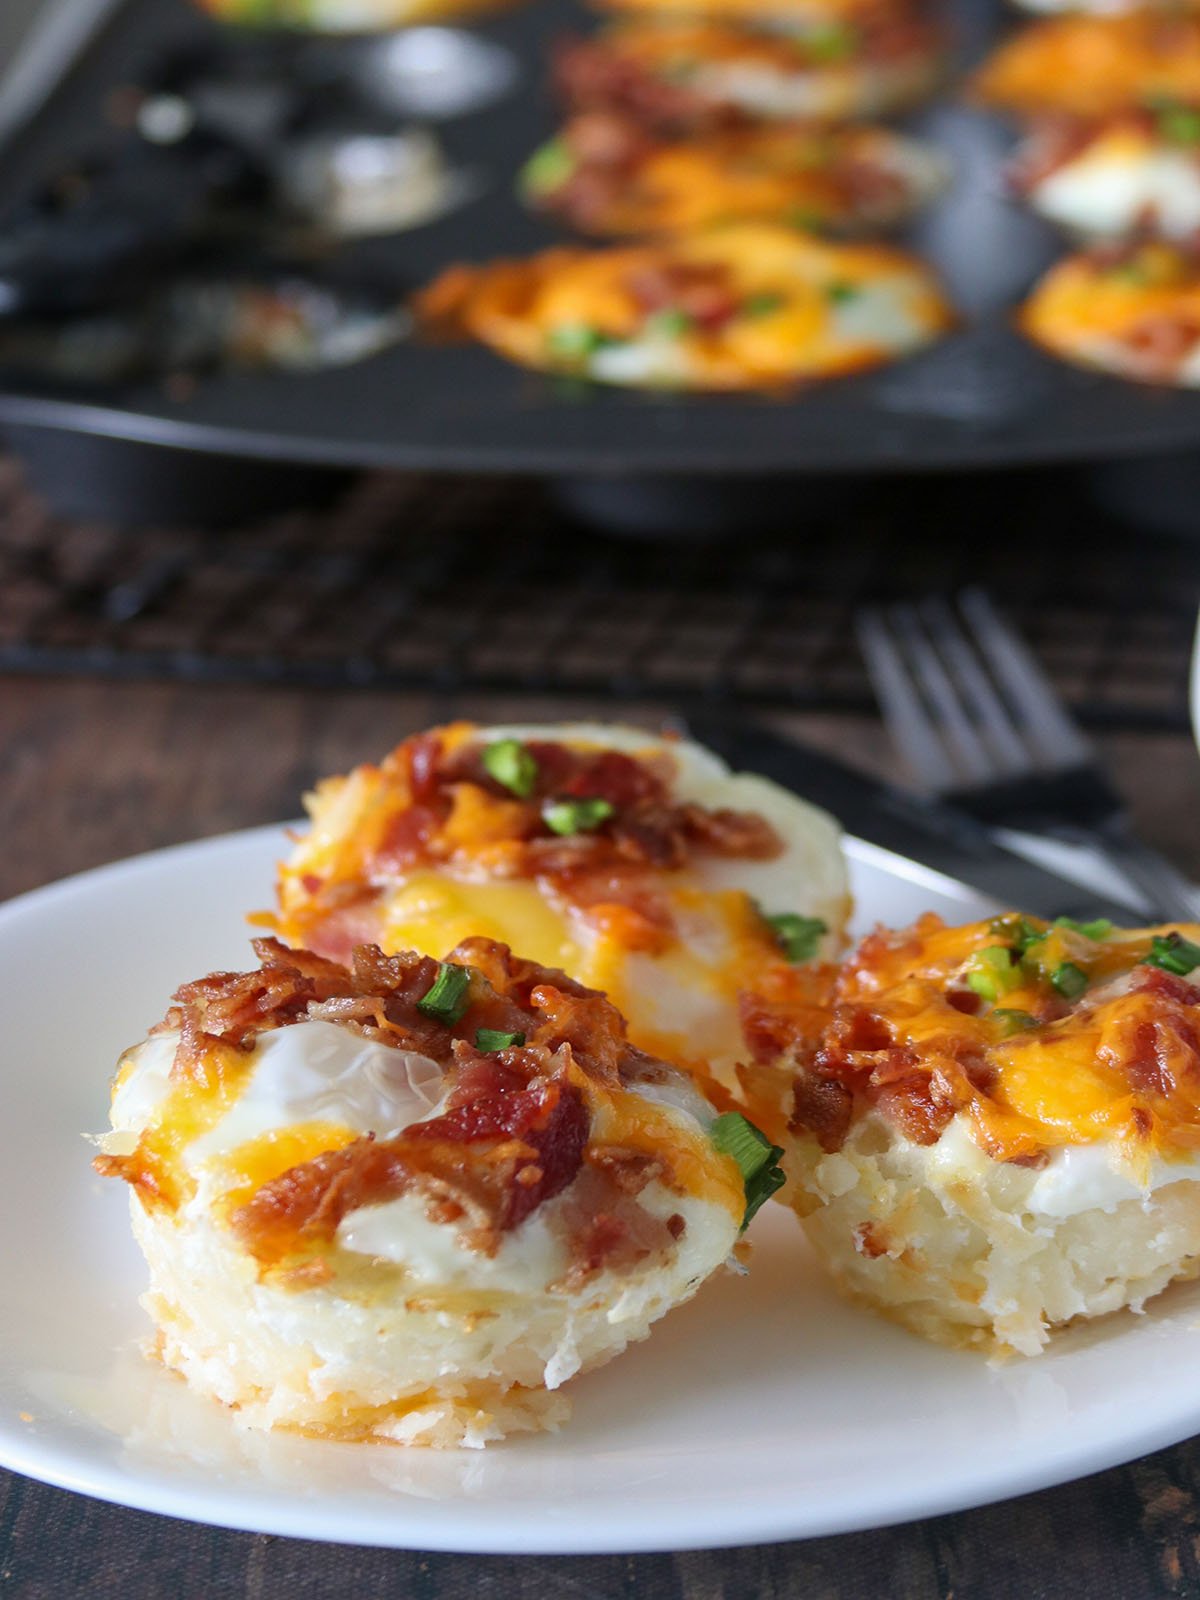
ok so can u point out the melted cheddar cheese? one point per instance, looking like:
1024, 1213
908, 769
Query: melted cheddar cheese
1138, 315
1112, 1054
1093, 65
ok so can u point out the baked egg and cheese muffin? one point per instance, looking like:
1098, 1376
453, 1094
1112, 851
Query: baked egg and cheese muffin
1093, 66
639, 864
750, 306
607, 175
407, 1200
998, 1130
345, 16
1132, 310
1134, 173
682, 73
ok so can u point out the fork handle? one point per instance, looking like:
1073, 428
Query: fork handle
1171, 895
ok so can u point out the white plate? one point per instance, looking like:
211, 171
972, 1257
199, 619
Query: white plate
765, 1409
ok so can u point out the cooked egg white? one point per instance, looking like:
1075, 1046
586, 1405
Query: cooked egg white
1120, 183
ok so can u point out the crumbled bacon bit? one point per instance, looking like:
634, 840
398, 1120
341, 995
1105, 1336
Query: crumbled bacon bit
822, 1107
870, 1240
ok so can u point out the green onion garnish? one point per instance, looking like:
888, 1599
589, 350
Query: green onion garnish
575, 341
806, 219
762, 305
758, 1159
548, 168
830, 43
449, 996
1099, 929
1179, 124
510, 763
839, 293
669, 324
798, 937
1174, 954
991, 972
1012, 1021
1071, 981
496, 1039
576, 816
1019, 931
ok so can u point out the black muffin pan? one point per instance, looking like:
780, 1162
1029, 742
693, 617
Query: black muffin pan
982, 397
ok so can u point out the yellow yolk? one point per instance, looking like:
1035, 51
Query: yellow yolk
431, 913
261, 1160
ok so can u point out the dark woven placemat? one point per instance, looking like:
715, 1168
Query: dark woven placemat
488, 584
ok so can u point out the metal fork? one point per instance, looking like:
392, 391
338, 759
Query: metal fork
979, 725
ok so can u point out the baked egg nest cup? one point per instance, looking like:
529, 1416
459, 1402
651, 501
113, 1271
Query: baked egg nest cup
681, 72
750, 306
1129, 309
407, 1200
996, 1133
607, 175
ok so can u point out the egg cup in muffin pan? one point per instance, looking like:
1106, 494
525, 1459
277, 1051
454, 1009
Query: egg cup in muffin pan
606, 175
1093, 66
347, 16
1131, 309
407, 1200
997, 1132
683, 72
1136, 172
740, 308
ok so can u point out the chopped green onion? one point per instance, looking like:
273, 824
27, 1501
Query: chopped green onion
1099, 929
1174, 954
669, 324
991, 972
830, 43
1019, 931
1070, 980
576, 816
806, 219
575, 341
1012, 1021
449, 996
1179, 124
757, 1158
510, 763
839, 293
548, 168
762, 305
496, 1039
798, 937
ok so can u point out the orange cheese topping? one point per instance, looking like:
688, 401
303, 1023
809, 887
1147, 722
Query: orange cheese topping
1041, 1035
1145, 301
1093, 65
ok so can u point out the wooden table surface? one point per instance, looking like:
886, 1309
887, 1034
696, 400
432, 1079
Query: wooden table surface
93, 771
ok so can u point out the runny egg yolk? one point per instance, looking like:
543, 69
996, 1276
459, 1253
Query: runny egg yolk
677, 989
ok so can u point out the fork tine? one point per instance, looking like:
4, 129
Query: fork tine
991, 715
963, 743
905, 716
1052, 731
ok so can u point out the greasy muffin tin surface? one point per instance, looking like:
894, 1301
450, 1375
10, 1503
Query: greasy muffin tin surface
981, 396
